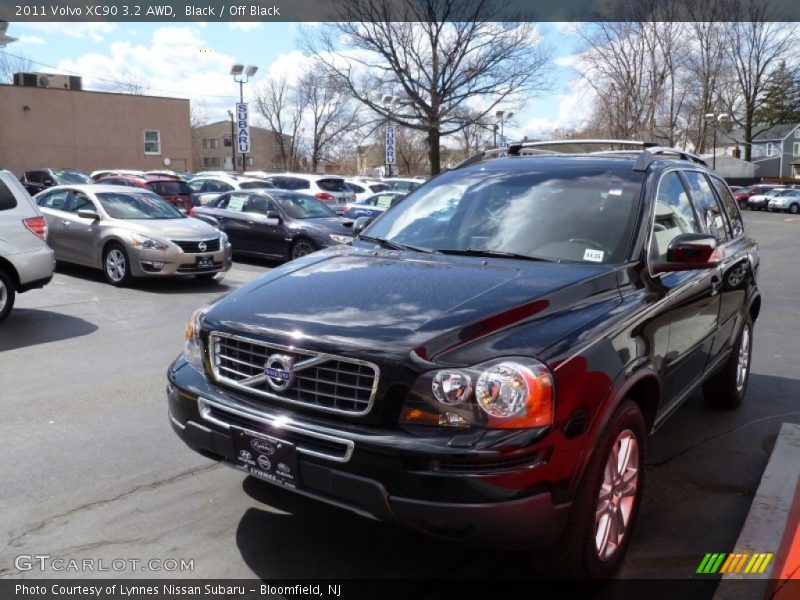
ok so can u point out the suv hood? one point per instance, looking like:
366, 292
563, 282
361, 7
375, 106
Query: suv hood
386, 304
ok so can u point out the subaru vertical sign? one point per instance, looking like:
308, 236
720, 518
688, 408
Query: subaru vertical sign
242, 128
390, 144
503, 146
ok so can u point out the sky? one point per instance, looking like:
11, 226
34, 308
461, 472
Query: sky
192, 60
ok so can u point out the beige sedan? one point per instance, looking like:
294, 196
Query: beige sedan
129, 233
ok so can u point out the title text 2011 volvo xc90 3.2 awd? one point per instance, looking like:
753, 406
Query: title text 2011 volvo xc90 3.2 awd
488, 358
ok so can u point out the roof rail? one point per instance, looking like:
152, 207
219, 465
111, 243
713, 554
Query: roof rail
649, 150
649, 155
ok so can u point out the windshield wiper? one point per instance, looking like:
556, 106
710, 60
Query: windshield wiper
384, 243
494, 254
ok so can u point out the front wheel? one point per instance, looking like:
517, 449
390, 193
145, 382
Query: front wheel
6, 295
794, 209
116, 266
302, 247
727, 388
606, 503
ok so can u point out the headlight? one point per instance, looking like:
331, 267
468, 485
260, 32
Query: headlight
142, 241
193, 347
223, 238
507, 394
341, 239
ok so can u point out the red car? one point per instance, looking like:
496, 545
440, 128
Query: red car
172, 189
742, 196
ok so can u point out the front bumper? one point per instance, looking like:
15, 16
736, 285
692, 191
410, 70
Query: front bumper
377, 475
172, 262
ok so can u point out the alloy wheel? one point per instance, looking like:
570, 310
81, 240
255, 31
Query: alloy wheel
301, 249
615, 501
115, 265
743, 364
3, 296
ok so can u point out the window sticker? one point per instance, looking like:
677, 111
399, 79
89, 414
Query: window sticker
236, 203
615, 192
593, 255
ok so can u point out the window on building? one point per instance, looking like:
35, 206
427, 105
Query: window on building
770, 149
796, 148
210, 144
210, 161
239, 160
797, 133
226, 140
152, 141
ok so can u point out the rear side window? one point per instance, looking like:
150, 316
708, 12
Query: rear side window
55, 200
256, 185
332, 185
734, 216
7, 198
355, 188
674, 215
170, 188
708, 207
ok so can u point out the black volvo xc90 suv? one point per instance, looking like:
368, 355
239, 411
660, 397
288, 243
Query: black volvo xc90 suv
487, 359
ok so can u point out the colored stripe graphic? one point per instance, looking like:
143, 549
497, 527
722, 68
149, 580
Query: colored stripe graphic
721, 562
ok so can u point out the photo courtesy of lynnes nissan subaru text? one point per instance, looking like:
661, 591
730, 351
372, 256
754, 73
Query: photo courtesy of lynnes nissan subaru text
487, 359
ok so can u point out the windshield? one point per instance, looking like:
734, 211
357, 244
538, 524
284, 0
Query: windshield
65, 177
133, 205
256, 185
580, 211
170, 188
332, 185
299, 206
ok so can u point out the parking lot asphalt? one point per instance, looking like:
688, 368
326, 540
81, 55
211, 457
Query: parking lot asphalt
92, 469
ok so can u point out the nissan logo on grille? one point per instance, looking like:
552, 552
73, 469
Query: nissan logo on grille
278, 370
202, 246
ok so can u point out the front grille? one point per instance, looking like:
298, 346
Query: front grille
193, 247
322, 381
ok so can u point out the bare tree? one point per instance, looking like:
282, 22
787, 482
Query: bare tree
756, 49
11, 63
198, 114
332, 112
282, 108
437, 55
134, 85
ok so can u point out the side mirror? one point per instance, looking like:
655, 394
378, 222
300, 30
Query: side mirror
86, 213
361, 224
273, 214
689, 251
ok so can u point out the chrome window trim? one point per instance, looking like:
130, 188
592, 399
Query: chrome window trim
311, 354
277, 423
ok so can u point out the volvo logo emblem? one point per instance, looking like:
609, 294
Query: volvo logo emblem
278, 370
202, 246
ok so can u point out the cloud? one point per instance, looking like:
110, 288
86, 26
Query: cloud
95, 32
176, 61
30, 40
244, 25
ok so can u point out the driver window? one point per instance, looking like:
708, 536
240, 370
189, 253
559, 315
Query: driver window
260, 205
236, 202
80, 201
673, 215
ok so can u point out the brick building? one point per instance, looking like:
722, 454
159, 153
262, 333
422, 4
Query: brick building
212, 150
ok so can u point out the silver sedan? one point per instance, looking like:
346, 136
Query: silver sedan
130, 233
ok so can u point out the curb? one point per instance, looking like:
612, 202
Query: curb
772, 524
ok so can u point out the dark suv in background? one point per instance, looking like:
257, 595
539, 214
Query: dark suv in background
487, 360
37, 180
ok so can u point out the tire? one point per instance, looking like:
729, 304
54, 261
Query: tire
7, 294
794, 209
579, 554
118, 273
302, 247
727, 388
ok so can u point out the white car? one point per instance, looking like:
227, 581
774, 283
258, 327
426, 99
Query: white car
785, 200
402, 184
207, 188
330, 189
106, 172
26, 261
761, 201
365, 189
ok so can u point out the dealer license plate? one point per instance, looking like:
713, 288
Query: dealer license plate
205, 262
266, 457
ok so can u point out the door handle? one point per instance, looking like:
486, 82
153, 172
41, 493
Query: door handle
65, 223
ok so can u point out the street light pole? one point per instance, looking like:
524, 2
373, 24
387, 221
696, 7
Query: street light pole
715, 120
233, 142
242, 75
